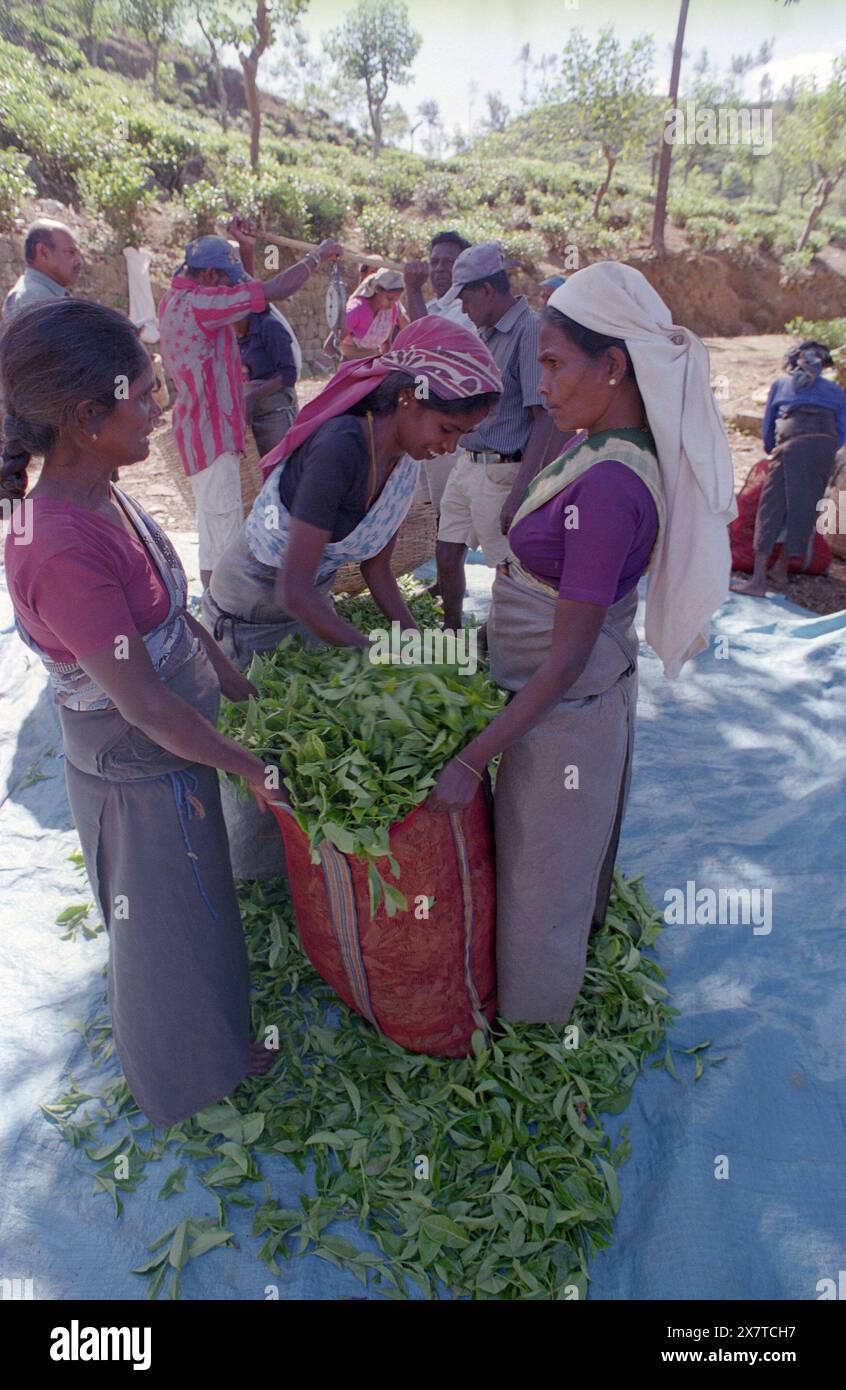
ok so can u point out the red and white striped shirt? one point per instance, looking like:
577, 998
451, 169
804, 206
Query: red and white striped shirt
200, 348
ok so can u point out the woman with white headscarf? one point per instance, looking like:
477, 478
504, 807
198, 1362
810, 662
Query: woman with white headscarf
645, 484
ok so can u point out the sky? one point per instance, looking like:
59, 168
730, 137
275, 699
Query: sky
477, 41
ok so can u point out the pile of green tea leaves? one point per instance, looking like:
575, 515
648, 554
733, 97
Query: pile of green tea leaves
364, 613
489, 1177
359, 745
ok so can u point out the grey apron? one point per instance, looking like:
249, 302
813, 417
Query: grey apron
242, 585
559, 800
240, 607
155, 849
156, 852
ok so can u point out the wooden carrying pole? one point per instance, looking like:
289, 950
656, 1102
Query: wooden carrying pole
304, 246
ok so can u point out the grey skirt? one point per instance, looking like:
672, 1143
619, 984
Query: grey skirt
804, 455
559, 801
241, 611
240, 607
155, 848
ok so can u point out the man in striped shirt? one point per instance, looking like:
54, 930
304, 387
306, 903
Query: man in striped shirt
209, 293
512, 443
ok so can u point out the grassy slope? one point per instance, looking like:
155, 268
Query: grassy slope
99, 140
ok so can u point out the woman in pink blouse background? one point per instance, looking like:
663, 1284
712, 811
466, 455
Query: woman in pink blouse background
374, 315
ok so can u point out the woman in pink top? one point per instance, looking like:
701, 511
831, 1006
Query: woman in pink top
100, 595
373, 314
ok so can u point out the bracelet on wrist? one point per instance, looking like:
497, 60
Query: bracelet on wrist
312, 261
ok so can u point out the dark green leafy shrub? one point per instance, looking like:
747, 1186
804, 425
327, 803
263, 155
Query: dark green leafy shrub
398, 186
119, 190
206, 205
15, 184
20, 27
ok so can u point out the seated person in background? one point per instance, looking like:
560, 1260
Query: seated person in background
270, 375
804, 425
373, 315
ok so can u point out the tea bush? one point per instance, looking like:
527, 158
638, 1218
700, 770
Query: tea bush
15, 184
119, 190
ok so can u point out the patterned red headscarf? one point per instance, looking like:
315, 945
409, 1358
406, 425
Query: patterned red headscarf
453, 361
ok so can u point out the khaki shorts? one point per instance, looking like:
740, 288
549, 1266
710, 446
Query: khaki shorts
471, 504
434, 475
220, 511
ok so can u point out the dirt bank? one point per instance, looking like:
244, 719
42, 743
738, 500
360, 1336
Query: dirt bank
729, 292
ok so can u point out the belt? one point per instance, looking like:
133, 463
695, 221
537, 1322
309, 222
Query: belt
490, 456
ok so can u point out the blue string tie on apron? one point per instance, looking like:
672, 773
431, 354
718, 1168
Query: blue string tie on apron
184, 786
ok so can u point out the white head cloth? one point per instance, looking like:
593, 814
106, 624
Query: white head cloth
689, 576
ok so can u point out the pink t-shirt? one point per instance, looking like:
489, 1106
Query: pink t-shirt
201, 352
81, 582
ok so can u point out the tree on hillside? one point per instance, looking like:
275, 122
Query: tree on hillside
376, 45
665, 152
472, 93
524, 61
313, 82
158, 21
498, 112
546, 67
208, 15
252, 27
608, 90
431, 114
395, 124
742, 63
817, 136
96, 17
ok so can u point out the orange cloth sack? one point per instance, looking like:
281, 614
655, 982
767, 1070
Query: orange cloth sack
425, 981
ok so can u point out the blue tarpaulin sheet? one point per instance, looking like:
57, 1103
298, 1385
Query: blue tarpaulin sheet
736, 1187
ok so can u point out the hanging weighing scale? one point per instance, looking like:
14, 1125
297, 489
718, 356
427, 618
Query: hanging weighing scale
336, 303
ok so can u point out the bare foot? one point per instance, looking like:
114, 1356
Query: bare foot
778, 577
753, 588
261, 1059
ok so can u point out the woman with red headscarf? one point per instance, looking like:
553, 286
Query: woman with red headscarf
337, 489
339, 485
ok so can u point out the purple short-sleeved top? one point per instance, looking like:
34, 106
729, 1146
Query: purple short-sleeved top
592, 541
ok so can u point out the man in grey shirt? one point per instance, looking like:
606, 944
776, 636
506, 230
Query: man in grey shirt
53, 262
511, 444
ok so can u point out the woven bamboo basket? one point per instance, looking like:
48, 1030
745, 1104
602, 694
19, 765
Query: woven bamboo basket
415, 545
165, 442
415, 542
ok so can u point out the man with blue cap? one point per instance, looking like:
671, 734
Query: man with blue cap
209, 293
549, 286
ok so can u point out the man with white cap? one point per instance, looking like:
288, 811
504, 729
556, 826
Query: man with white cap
505, 452
209, 293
